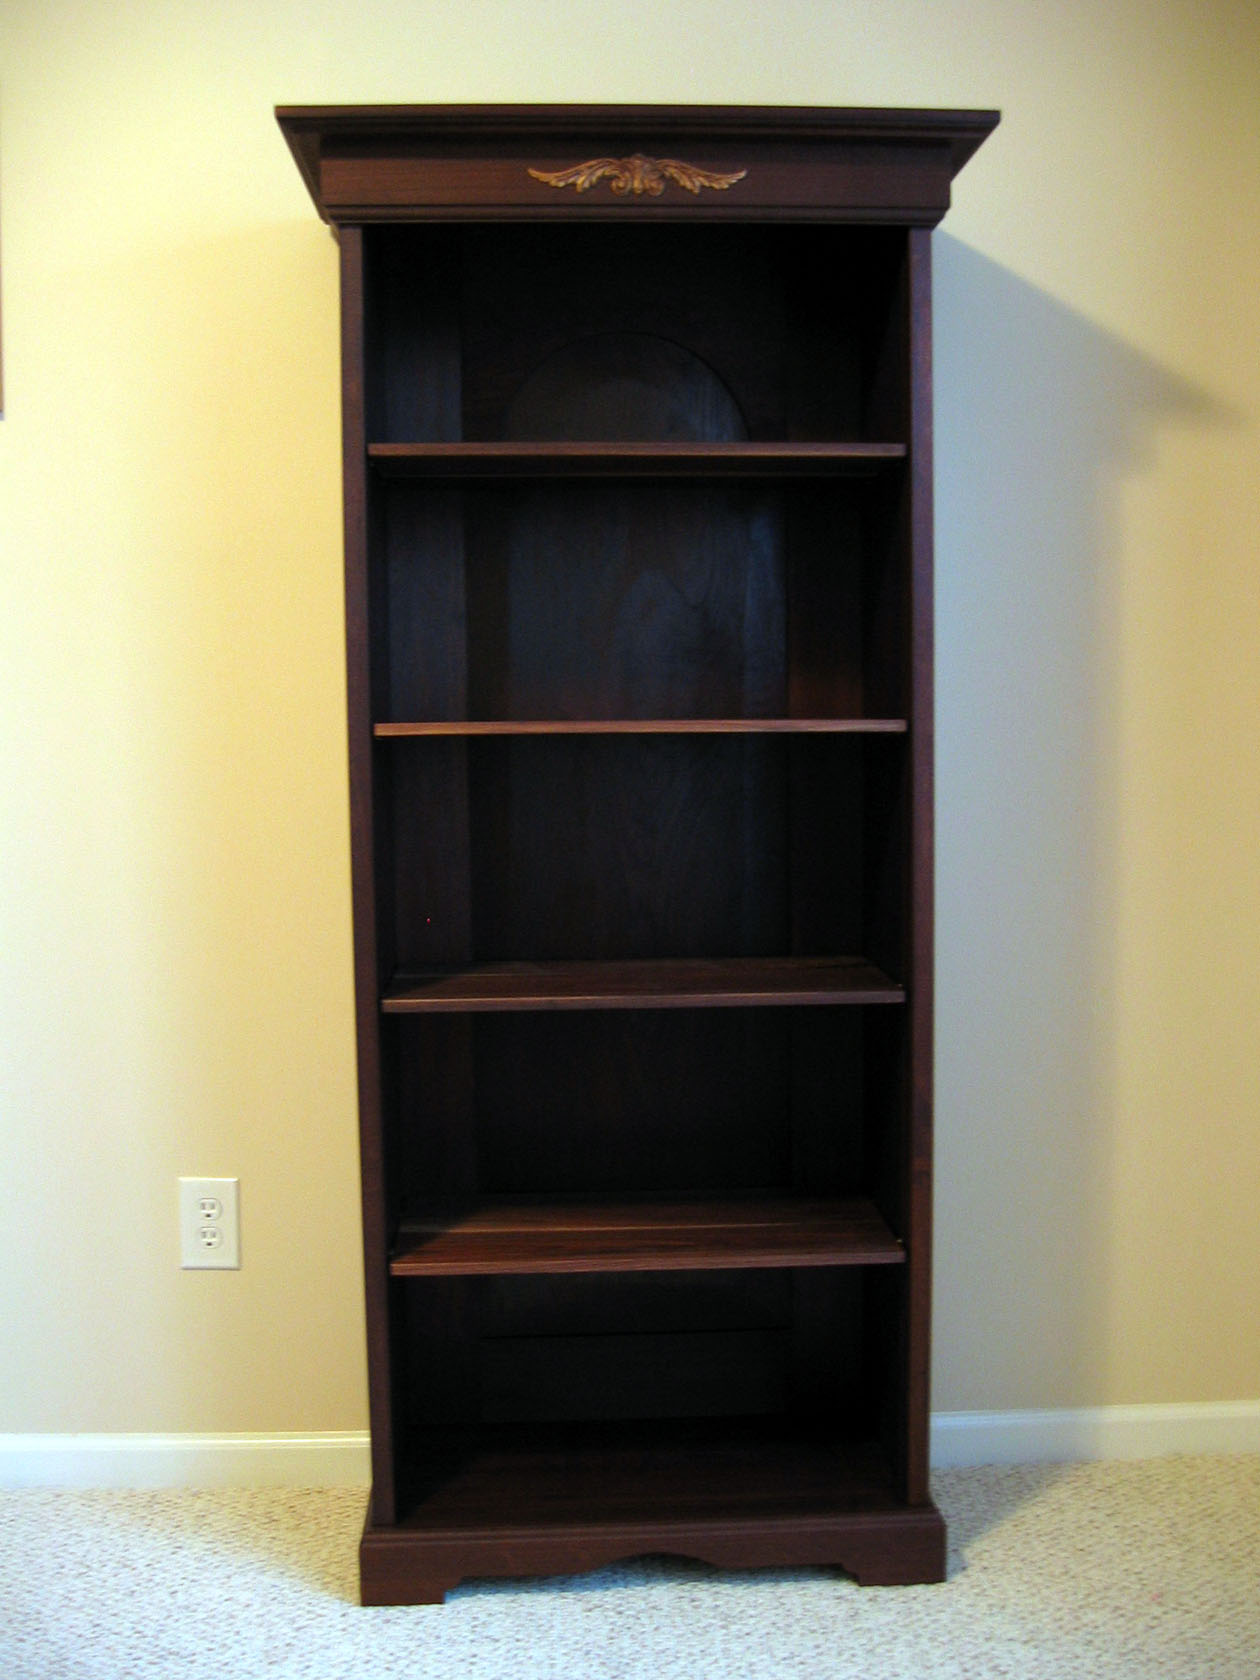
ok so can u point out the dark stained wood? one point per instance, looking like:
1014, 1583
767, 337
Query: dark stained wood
867, 180
648, 726
890, 1547
429, 869
427, 673
738, 983
679, 335
716, 1374
654, 1236
630, 460
670, 1103
686, 1103
518, 1306
367, 958
670, 847
610, 601
917, 1129
626, 599
682, 334
830, 834
647, 1471
409, 162
824, 616
638, 494
710, 1373
751, 1495
682, 618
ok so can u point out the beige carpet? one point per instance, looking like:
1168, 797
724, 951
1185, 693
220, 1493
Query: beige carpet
1145, 1571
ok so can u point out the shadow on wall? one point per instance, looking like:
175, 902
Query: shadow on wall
1040, 418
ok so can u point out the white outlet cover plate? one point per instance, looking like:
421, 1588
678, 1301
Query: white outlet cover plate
210, 1224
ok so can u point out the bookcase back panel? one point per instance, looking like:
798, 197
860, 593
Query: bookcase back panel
623, 387
792, 1346
646, 1374
626, 600
763, 332
665, 1103
665, 848
640, 600
528, 848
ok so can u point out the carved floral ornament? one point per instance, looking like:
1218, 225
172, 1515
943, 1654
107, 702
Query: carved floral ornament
637, 175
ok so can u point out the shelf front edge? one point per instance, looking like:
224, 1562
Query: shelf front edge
535, 1239
641, 726
676, 984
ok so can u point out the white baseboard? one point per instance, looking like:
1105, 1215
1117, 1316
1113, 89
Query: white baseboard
332, 1459
962, 1439
340, 1459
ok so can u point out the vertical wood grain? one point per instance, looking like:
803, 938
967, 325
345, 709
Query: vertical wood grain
920, 972
367, 967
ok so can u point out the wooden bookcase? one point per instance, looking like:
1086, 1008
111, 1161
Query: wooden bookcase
639, 612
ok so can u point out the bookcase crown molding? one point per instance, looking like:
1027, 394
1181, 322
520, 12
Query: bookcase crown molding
421, 162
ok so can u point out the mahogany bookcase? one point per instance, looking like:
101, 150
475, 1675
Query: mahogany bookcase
638, 485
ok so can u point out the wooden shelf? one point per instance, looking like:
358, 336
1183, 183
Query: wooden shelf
646, 726
735, 982
643, 1237
696, 1471
631, 460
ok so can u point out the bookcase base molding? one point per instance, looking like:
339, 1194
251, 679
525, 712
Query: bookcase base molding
893, 1547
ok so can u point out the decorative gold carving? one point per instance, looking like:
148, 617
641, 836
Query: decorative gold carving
637, 175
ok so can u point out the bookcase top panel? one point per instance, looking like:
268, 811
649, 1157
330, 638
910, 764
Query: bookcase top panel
640, 162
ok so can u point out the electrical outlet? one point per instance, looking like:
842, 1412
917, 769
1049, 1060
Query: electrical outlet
209, 1224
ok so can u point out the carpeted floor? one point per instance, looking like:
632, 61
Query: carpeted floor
1091, 1572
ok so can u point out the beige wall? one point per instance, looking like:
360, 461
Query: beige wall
175, 952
